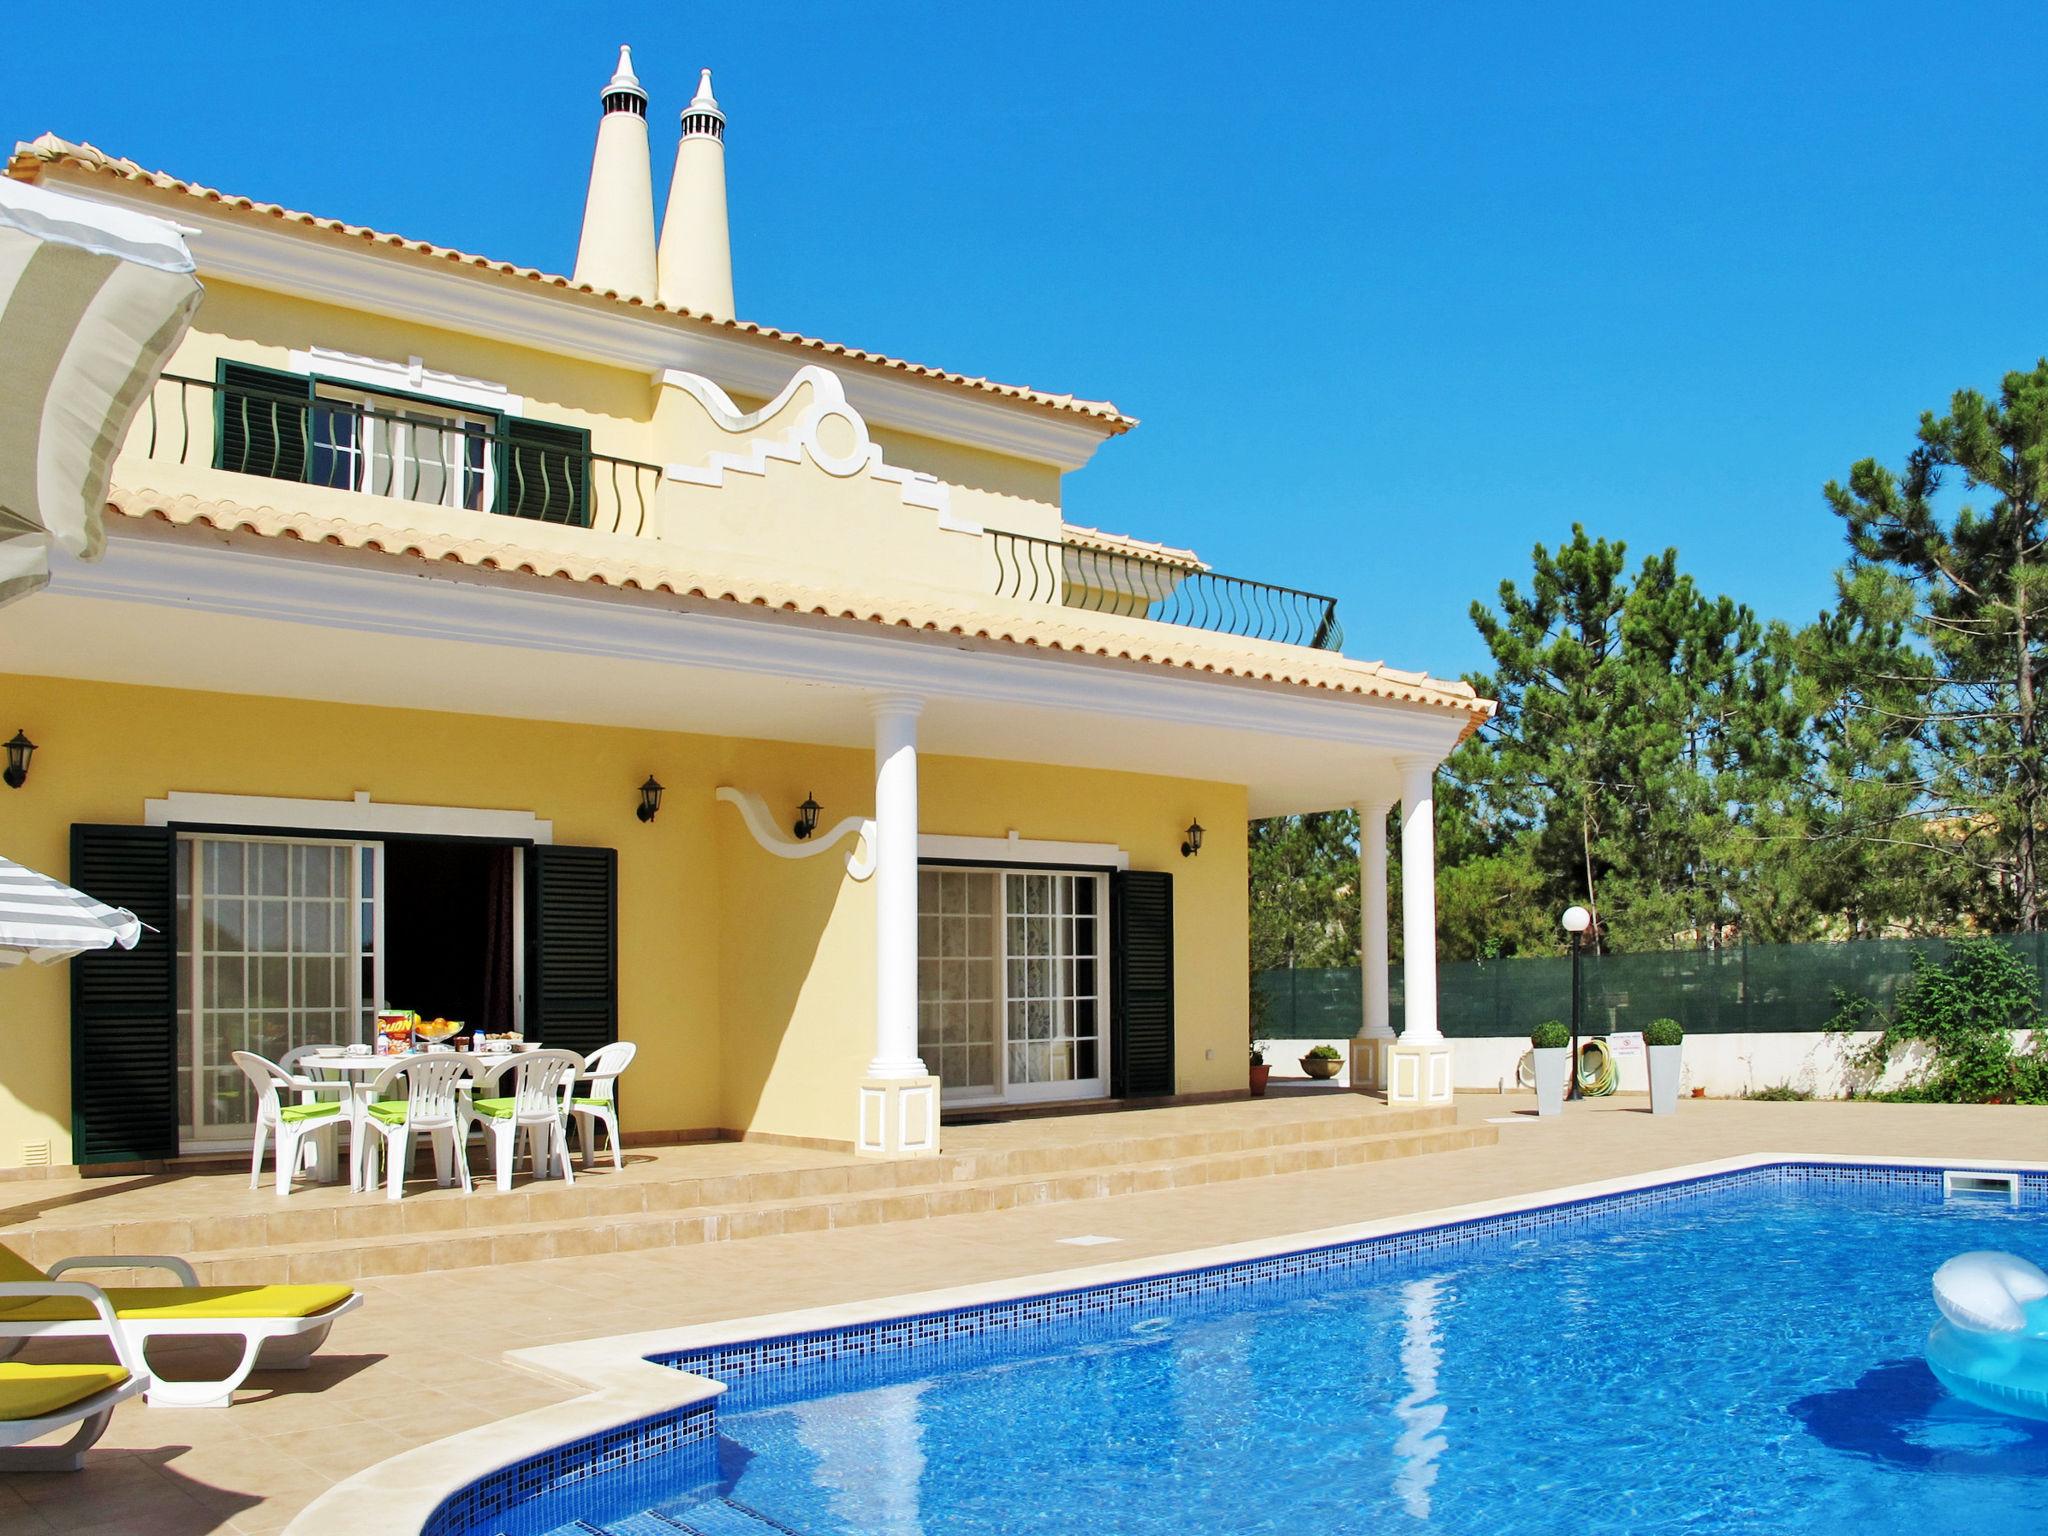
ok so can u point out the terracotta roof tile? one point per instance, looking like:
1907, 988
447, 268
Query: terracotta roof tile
1043, 628
30, 159
1125, 544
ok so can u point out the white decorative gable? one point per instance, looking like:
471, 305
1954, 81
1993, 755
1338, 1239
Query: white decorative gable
828, 432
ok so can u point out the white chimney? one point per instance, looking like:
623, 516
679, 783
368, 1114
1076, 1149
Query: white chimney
617, 248
695, 264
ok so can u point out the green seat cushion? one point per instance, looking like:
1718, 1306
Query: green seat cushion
190, 1303
497, 1109
592, 1103
293, 1113
36, 1391
390, 1111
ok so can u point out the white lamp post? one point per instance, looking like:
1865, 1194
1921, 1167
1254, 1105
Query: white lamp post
1576, 921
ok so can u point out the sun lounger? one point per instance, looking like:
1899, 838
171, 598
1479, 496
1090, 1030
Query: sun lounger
37, 1400
280, 1326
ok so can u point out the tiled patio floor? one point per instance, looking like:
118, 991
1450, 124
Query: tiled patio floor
200, 1193
422, 1359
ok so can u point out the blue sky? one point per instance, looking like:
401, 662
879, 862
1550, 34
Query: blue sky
1397, 290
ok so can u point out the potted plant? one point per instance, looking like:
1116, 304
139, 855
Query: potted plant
1322, 1062
1662, 1037
1256, 1008
1550, 1044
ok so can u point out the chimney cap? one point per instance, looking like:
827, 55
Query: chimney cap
624, 81
704, 102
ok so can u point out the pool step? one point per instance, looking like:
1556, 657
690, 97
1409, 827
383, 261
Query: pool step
711, 1517
330, 1235
517, 1242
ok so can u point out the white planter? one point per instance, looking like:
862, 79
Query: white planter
1552, 1067
1664, 1079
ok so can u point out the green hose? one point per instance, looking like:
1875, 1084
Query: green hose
1597, 1075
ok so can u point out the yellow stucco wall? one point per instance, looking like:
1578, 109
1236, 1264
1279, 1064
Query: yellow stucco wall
746, 979
795, 521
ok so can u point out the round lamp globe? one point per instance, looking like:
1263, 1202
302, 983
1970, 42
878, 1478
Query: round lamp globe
1577, 919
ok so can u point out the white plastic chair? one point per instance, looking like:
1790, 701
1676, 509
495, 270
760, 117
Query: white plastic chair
290, 1061
542, 1082
94, 1389
290, 1121
597, 1105
432, 1104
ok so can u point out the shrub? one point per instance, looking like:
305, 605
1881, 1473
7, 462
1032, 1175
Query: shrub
1662, 1032
1962, 1011
1780, 1093
1327, 1053
1550, 1035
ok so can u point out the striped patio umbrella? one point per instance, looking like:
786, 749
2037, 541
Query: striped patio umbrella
43, 919
92, 302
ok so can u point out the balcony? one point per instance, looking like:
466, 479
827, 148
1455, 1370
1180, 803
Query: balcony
376, 444
1165, 591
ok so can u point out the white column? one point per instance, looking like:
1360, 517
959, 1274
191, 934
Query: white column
1372, 914
1418, 900
1420, 1070
896, 888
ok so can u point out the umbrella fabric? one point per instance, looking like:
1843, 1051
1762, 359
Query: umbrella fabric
92, 302
43, 919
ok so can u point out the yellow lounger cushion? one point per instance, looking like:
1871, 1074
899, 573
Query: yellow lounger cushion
184, 1303
14, 1268
35, 1391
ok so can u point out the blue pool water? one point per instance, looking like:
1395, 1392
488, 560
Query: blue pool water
1747, 1360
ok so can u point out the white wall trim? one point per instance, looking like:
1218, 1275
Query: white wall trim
412, 376
359, 816
860, 858
428, 290
1022, 850
301, 587
801, 441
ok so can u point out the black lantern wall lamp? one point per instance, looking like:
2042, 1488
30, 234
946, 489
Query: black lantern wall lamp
19, 751
1193, 845
806, 817
650, 799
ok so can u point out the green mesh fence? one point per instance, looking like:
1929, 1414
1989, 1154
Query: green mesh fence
1755, 988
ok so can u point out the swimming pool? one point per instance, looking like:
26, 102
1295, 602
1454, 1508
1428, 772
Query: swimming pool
1732, 1353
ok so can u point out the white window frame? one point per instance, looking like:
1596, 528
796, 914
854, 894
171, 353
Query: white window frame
1004, 1091
358, 820
401, 421
190, 942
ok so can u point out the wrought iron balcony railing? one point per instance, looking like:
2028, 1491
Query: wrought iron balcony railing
355, 440
1065, 575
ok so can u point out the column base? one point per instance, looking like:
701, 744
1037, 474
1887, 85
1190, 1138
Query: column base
899, 1117
1419, 1072
1369, 1063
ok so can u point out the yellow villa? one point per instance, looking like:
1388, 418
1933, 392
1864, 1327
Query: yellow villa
570, 656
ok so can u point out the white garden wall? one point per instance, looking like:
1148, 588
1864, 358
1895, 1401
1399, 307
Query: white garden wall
1726, 1066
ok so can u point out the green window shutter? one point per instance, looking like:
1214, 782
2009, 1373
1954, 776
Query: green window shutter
263, 421
1141, 967
572, 947
544, 473
124, 1032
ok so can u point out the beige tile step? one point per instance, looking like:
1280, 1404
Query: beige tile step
520, 1241
333, 1217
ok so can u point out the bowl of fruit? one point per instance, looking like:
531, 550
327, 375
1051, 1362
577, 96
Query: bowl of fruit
435, 1031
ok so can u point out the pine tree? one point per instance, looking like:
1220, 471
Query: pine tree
1978, 583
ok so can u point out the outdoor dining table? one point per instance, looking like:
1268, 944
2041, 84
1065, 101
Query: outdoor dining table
360, 1073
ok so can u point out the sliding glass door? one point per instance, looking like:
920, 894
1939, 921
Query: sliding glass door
279, 945
1012, 983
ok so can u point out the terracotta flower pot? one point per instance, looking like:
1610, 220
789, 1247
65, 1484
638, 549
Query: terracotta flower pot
1260, 1072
